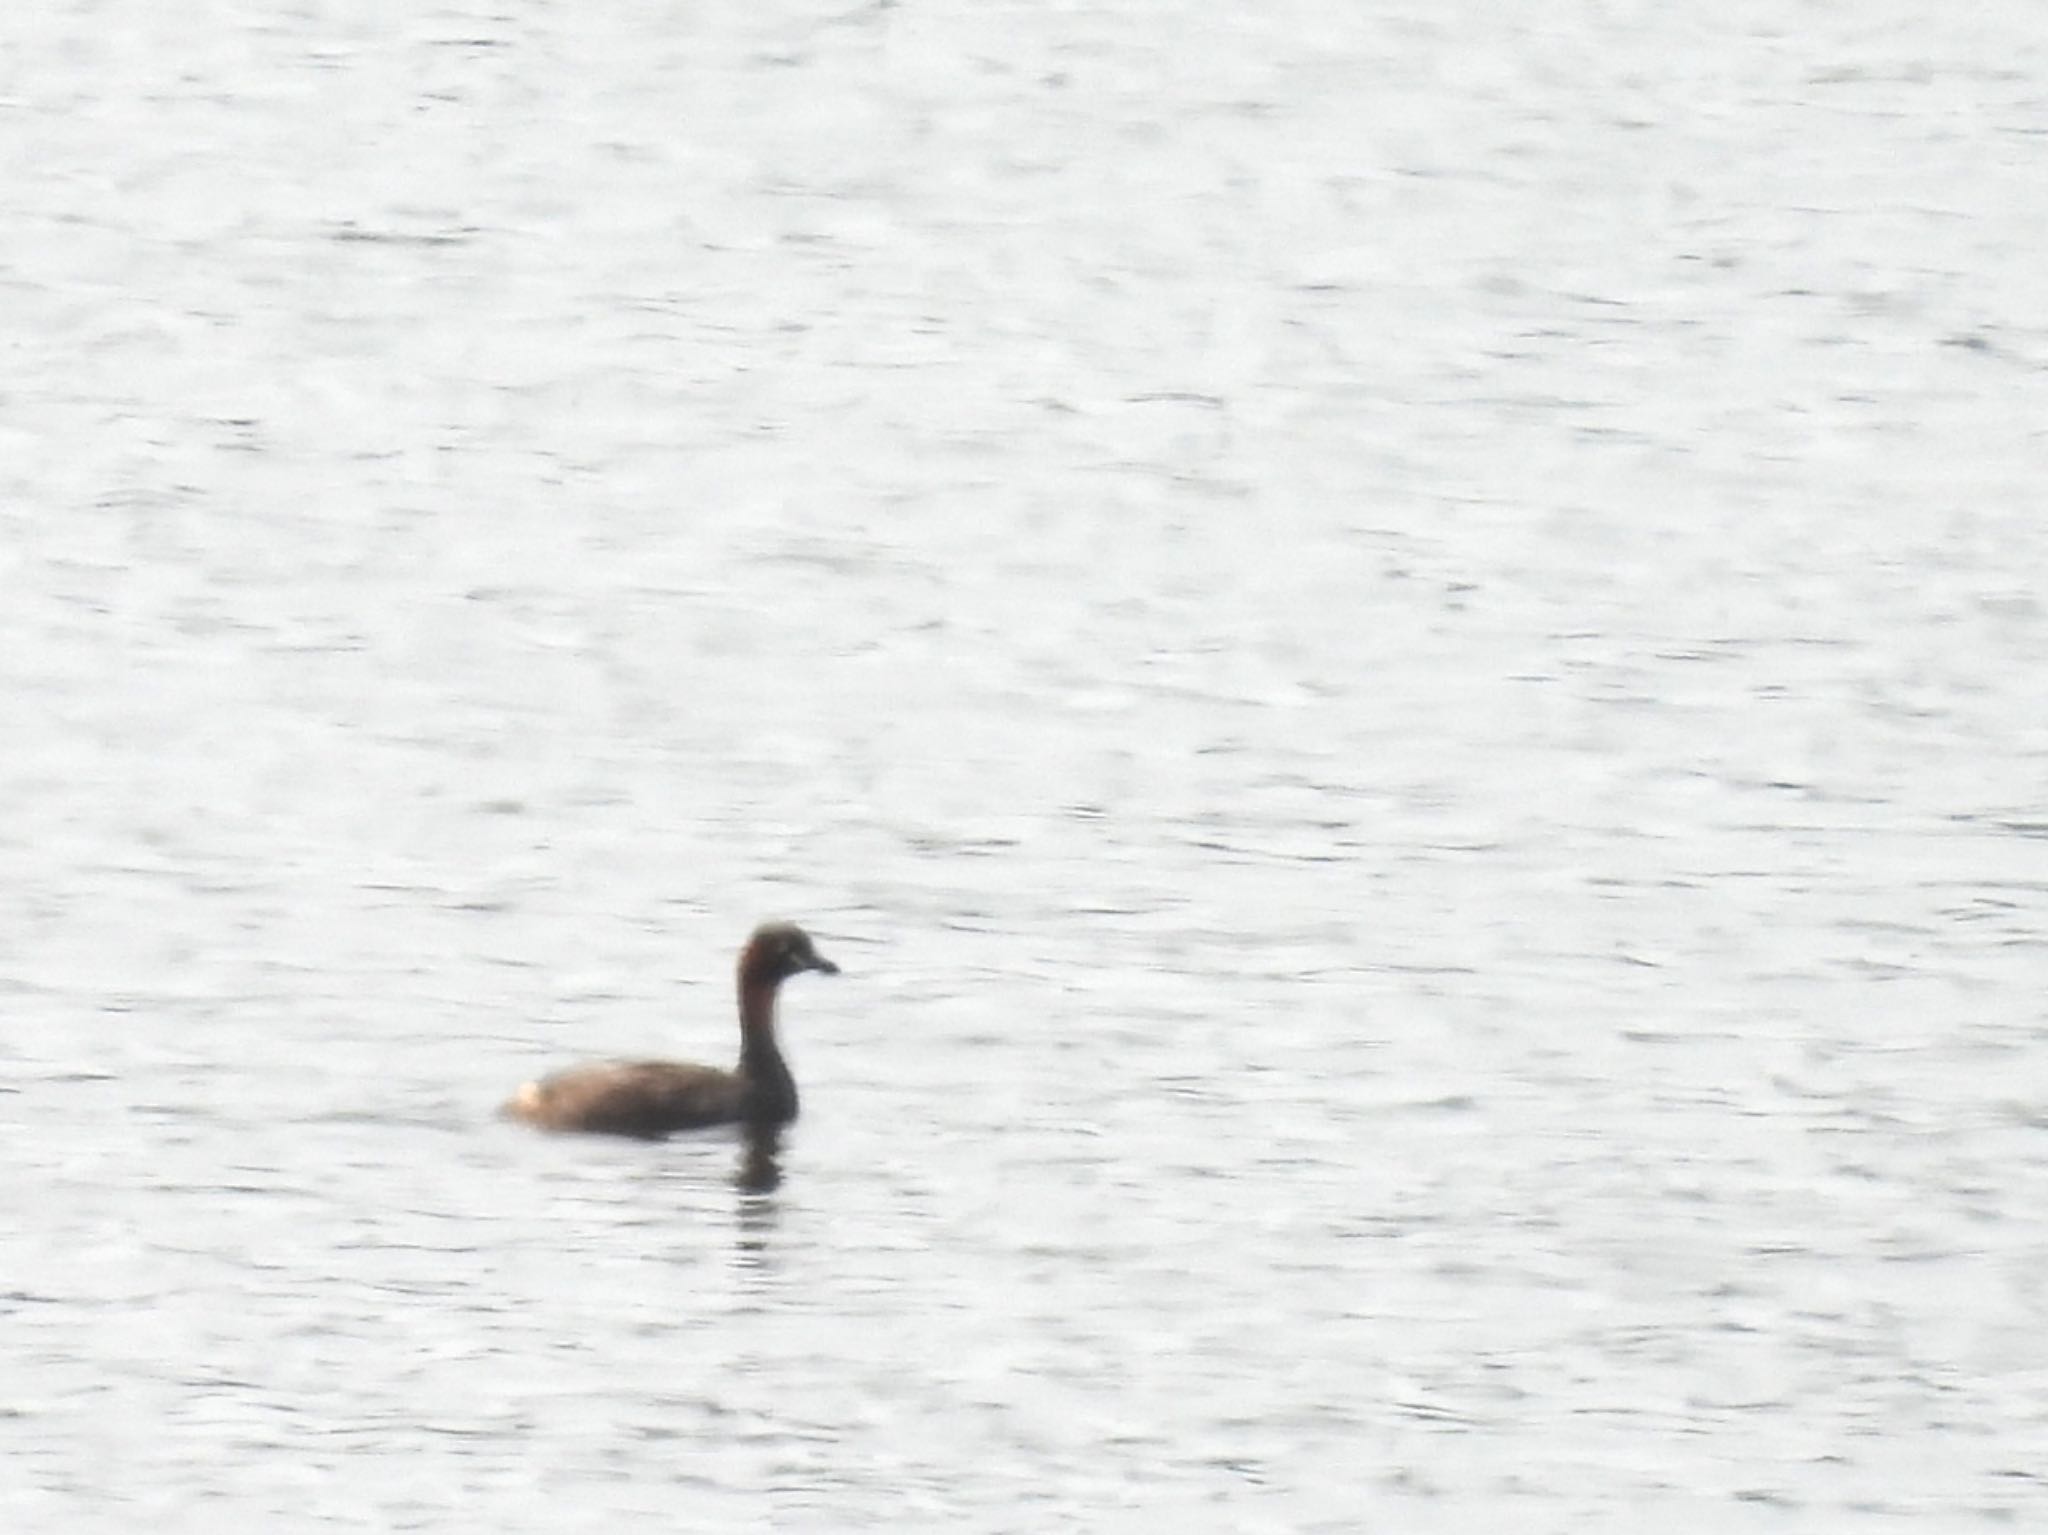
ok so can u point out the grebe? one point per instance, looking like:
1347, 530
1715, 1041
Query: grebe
652, 1099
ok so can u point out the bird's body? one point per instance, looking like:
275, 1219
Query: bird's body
644, 1098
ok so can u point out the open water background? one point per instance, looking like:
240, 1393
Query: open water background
1400, 646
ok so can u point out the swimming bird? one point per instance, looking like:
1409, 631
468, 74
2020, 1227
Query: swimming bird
652, 1099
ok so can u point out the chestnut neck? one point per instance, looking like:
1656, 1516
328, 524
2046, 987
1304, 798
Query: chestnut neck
771, 1089
757, 1009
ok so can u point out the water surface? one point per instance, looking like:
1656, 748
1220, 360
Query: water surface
1401, 652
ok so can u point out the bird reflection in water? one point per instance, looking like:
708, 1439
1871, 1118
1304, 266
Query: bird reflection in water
757, 1178
760, 1169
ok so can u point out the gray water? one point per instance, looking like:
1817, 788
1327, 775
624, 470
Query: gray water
1400, 648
